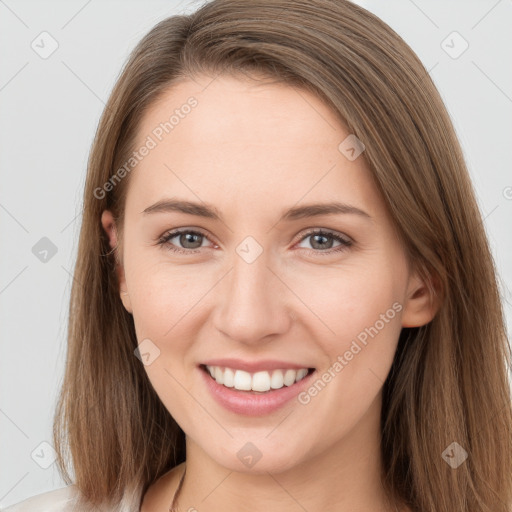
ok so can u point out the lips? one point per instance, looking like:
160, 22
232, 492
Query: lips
256, 397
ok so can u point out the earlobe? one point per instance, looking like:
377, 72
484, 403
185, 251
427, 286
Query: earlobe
127, 303
108, 223
422, 303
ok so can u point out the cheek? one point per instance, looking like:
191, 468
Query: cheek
356, 326
165, 303
345, 301
162, 296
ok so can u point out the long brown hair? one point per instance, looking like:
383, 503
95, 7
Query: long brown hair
448, 383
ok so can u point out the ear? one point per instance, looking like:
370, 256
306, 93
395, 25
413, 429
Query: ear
422, 301
108, 223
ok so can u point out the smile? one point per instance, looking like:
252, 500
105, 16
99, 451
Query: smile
238, 391
261, 381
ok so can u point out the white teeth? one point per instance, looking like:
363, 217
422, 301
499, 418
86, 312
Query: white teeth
242, 380
301, 374
260, 381
229, 378
219, 375
289, 377
277, 380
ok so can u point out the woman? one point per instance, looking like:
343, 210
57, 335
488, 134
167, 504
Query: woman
284, 296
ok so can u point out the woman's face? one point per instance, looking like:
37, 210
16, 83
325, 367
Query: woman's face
255, 282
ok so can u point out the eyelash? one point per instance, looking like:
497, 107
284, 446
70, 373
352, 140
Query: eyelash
164, 241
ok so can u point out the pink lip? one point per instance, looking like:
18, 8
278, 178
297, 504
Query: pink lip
251, 403
253, 366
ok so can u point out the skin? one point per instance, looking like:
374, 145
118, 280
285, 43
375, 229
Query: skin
254, 151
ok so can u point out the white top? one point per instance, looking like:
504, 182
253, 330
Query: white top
65, 500
58, 500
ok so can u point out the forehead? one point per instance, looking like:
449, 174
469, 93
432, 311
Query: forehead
250, 112
232, 141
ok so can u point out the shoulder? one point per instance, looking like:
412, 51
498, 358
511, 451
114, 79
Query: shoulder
58, 500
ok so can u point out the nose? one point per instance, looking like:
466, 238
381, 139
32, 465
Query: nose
253, 303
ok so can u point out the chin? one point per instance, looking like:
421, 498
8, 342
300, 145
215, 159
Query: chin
257, 457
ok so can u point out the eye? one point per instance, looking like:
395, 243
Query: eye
191, 241
187, 237
320, 240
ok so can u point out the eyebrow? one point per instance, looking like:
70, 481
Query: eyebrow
210, 212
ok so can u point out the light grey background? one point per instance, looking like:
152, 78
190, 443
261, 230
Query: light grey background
49, 112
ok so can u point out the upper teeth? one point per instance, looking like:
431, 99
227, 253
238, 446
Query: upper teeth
259, 381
